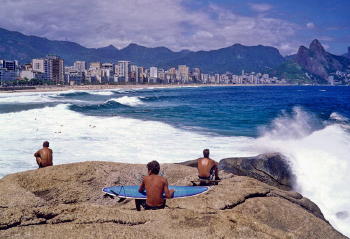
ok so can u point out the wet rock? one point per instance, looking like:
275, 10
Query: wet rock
270, 168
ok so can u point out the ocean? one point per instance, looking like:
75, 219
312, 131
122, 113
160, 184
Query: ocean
308, 124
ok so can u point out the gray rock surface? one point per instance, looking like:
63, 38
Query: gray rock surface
66, 201
270, 168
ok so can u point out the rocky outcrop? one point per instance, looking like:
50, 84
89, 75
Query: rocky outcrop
319, 62
270, 168
66, 201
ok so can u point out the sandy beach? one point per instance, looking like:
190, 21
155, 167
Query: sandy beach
106, 87
102, 87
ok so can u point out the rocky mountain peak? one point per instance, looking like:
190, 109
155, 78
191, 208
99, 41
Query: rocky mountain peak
316, 46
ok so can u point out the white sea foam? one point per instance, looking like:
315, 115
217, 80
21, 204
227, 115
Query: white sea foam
104, 93
25, 97
338, 117
320, 159
35, 97
127, 100
75, 137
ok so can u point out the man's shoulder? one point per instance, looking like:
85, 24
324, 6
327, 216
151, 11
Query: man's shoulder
161, 178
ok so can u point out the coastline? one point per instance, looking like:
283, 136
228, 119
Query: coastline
106, 87
102, 87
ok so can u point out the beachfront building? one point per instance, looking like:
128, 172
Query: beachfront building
183, 74
49, 69
124, 70
9, 71
161, 75
134, 75
55, 70
27, 74
80, 66
107, 73
153, 75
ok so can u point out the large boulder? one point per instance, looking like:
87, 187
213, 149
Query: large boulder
270, 168
66, 201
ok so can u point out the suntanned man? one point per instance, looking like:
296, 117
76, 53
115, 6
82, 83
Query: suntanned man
207, 167
155, 186
44, 156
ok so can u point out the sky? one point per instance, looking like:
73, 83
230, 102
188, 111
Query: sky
184, 24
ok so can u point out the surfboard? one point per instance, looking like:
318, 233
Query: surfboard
132, 191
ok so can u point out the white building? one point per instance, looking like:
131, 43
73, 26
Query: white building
39, 65
153, 72
80, 66
124, 70
183, 73
27, 74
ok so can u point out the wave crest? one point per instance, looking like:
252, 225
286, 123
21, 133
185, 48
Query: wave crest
127, 100
338, 117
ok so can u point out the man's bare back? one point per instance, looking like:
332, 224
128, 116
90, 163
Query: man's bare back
205, 166
44, 156
155, 186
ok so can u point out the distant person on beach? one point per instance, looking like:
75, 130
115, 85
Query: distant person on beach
155, 186
44, 156
207, 168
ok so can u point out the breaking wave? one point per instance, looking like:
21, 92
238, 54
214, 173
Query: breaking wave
319, 157
127, 100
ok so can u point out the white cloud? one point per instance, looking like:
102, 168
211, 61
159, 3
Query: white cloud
310, 25
260, 7
147, 22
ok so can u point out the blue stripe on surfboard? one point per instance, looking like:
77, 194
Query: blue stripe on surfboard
132, 191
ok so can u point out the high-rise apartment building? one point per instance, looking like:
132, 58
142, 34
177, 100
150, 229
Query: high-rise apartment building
50, 68
183, 73
153, 72
55, 69
80, 66
8, 71
95, 66
196, 75
39, 65
124, 70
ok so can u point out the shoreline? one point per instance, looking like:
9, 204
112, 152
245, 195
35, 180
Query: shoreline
106, 87
102, 87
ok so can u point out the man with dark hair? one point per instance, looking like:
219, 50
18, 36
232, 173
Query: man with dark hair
207, 168
44, 156
155, 186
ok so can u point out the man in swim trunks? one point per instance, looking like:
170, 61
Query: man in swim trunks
207, 168
155, 186
44, 156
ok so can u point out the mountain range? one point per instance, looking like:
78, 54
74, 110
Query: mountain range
311, 64
15, 45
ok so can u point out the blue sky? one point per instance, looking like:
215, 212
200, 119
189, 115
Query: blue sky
184, 24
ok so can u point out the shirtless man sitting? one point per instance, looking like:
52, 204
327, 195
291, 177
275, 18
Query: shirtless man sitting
44, 156
155, 186
207, 168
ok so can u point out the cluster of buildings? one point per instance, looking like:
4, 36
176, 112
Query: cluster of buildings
51, 70
339, 78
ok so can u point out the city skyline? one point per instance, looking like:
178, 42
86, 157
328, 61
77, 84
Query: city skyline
178, 25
